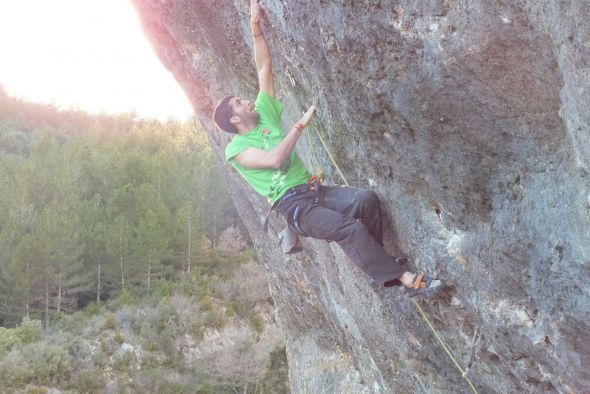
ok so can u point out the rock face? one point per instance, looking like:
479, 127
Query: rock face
471, 120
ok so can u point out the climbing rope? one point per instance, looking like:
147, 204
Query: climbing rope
328, 152
422, 313
318, 171
444, 346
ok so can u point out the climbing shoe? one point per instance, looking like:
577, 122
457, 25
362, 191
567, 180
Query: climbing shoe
424, 285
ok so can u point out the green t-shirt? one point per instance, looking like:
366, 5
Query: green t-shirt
269, 182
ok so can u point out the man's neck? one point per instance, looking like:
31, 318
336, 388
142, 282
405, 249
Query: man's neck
245, 129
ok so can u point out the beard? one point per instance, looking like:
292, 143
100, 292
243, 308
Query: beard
255, 117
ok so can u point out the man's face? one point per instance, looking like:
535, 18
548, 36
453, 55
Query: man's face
244, 109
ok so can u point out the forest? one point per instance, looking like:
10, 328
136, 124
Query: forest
94, 206
103, 212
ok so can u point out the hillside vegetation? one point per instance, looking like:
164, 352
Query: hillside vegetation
122, 264
178, 340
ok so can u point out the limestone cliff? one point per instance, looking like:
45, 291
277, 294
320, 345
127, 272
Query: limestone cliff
471, 120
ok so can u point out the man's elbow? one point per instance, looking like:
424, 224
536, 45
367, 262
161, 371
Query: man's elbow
264, 68
275, 162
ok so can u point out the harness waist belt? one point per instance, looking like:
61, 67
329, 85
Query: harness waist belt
295, 190
289, 193
314, 184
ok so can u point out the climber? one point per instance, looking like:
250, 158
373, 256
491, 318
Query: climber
264, 157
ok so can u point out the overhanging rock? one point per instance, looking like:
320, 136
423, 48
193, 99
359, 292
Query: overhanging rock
471, 120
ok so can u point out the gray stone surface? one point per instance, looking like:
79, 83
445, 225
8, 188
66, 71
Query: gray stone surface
471, 120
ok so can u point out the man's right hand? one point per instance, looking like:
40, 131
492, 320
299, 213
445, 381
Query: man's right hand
256, 10
306, 117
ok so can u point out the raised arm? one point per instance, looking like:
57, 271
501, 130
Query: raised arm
261, 50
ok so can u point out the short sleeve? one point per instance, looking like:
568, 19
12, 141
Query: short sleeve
269, 108
235, 147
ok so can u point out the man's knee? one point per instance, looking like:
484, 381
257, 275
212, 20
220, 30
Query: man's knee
356, 228
369, 199
350, 230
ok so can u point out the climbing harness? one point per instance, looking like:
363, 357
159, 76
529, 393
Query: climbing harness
289, 237
314, 184
418, 307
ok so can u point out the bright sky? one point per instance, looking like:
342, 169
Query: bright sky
87, 54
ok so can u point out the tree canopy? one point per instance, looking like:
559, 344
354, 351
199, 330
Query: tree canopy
95, 205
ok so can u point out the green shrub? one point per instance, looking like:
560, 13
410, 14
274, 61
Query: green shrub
108, 343
92, 309
167, 342
200, 333
246, 256
150, 339
8, 340
213, 318
119, 338
150, 360
276, 375
126, 298
100, 359
257, 323
204, 285
187, 284
88, 381
158, 332
206, 304
165, 288
229, 311
29, 331
74, 322
242, 307
124, 362
110, 322
152, 380
37, 390
38, 363
79, 349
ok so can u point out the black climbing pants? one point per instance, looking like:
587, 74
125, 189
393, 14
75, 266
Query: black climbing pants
349, 216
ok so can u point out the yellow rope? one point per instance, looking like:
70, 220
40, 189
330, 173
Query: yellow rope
422, 313
329, 154
318, 170
444, 346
